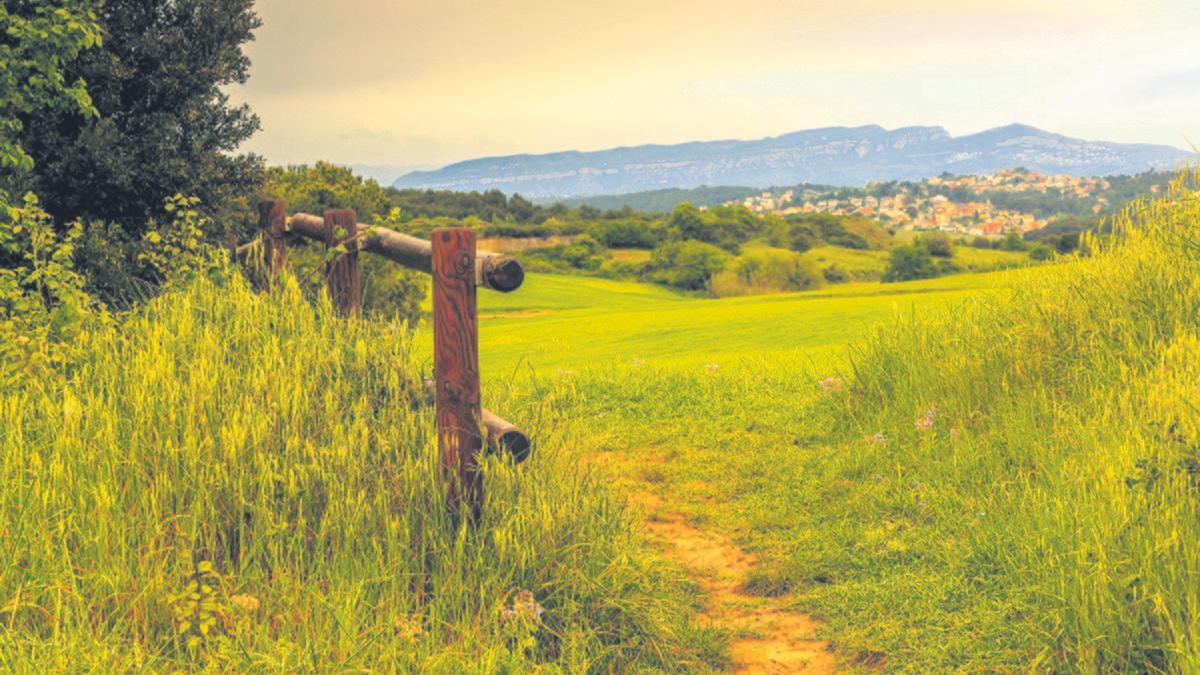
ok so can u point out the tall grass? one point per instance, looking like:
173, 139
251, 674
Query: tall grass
1061, 443
1008, 483
229, 480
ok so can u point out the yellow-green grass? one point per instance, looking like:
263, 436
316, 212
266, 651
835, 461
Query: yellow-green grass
635, 255
233, 482
994, 482
871, 264
567, 322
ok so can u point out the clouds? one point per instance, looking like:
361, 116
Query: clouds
422, 81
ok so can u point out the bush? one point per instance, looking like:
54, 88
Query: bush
688, 265
626, 234
767, 271
938, 244
834, 274
1041, 252
909, 262
1013, 242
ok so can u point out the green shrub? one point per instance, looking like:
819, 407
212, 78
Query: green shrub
688, 265
1041, 252
834, 274
909, 262
938, 244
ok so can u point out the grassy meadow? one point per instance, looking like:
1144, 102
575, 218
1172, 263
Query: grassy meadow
564, 322
980, 472
973, 473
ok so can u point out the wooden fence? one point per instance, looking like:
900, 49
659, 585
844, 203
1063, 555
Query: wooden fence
458, 269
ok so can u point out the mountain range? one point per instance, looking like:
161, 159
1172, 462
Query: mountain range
849, 156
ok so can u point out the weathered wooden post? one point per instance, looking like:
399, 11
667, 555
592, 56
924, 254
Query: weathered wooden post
341, 272
272, 219
456, 364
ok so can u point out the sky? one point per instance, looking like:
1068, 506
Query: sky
422, 83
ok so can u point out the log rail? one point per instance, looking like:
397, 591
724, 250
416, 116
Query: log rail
464, 428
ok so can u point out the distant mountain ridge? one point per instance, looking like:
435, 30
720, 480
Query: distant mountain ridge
850, 156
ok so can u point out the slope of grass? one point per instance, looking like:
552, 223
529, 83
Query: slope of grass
1003, 481
235, 482
565, 322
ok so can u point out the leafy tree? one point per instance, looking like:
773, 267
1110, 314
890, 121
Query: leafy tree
1012, 241
938, 244
910, 262
626, 234
164, 127
688, 265
835, 274
1041, 252
687, 221
387, 288
776, 269
39, 41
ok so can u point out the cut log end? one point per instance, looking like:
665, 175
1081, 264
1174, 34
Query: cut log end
503, 273
512, 442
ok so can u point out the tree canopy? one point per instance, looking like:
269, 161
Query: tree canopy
164, 126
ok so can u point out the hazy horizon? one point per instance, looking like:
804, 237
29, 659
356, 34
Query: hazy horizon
427, 84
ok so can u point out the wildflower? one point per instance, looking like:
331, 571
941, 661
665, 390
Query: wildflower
247, 603
523, 606
831, 385
712, 367
925, 422
562, 371
408, 626
877, 439
638, 362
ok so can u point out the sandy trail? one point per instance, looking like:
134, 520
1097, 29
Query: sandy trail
767, 637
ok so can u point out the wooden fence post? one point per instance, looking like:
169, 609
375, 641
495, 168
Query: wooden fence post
342, 271
272, 219
456, 365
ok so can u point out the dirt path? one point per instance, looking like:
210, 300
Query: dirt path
767, 637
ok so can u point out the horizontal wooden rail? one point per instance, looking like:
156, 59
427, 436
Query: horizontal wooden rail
497, 271
502, 435
464, 428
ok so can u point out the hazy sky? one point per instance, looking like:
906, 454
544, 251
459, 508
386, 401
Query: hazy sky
427, 82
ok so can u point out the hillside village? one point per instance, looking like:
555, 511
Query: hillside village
926, 205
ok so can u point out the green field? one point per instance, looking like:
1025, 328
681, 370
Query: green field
976, 473
567, 322
998, 474
871, 264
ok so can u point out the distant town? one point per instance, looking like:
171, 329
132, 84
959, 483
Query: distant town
956, 204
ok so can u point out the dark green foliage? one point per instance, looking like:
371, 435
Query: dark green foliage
1041, 252
627, 234
586, 254
1012, 241
388, 290
835, 274
910, 262
165, 125
39, 41
938, 244
688, 265
808, 229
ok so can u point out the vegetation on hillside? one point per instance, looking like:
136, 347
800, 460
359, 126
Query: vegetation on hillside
1008, 485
